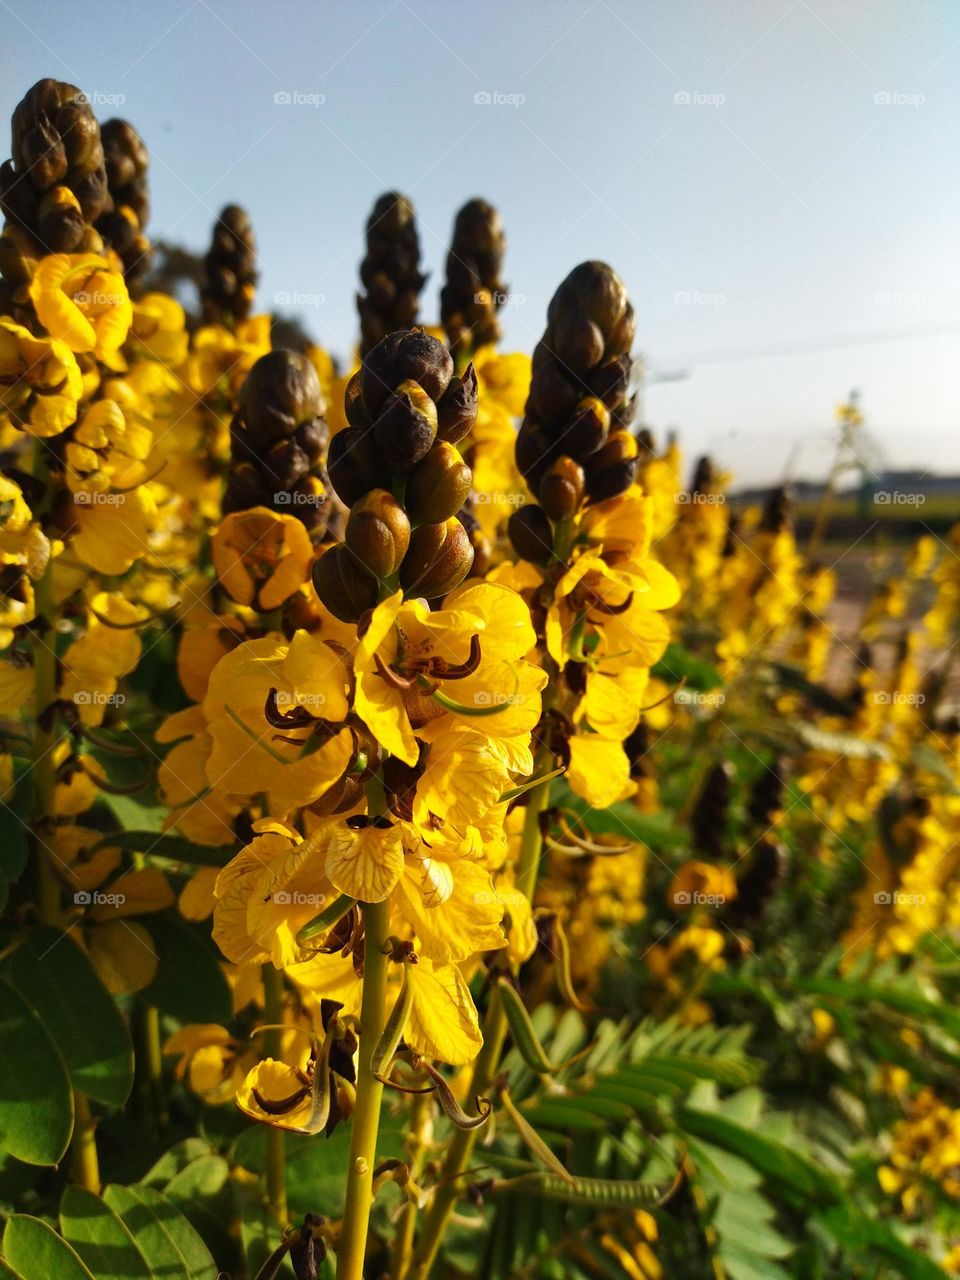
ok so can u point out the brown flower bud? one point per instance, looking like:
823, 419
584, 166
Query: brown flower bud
594, 289
531, 534
610, 380
577, 342
378, 532
355, 465
553, 392
406, 427
561, 489
534, 451
406, 356
438, 486
588, 431
439, 559
613, 468
353, 405
343, 585
60, 220
457, 407
282, 390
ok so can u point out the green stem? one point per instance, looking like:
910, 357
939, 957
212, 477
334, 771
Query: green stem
273, 1048
402, 1250
460, 1151
83, 1146
366, 1117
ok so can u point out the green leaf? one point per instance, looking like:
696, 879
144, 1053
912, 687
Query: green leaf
856, 1233
36, 1101
656, 831
181, 951
775, 1162
36, 1252
679, 664
100, 1238
159, 1235
176, 848
54, 977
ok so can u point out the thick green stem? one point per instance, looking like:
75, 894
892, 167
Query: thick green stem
450, 1183
365, 1123
83, 1146
273, 1048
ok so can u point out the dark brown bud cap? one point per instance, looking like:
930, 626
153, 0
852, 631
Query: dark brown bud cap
282, 391
409, 355
613, 468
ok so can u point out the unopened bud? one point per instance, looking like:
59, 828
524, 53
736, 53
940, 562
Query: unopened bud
378, 532
439, 558
534, 451
438, 485
343, 584
404, 356
355, 465
531, 534
588, 431
457, 407
613, 468
406, 427
561, 489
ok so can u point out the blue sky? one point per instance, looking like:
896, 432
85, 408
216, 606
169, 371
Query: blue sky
768, 176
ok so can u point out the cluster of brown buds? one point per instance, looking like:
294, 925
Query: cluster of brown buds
123, 226
397, 467
54, 187
575, 444
277, 440
474, 291
231, 269
390, 272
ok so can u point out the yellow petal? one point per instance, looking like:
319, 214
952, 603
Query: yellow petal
365, 864
443, 1020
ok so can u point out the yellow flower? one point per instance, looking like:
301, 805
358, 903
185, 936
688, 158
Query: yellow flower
83, 301
471, 653
294, 765
261, 558
158, 329
40, 381
701, 884
94, 664
210, 1061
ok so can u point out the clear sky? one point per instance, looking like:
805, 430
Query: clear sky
766, 175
